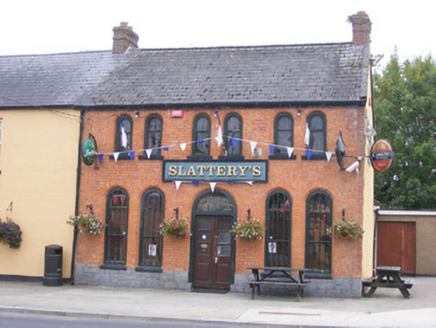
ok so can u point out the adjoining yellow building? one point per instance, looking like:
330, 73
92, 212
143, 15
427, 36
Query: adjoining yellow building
39, 152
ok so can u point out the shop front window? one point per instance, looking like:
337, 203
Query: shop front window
318, 241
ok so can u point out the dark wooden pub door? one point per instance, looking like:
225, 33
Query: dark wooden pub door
396, 245
213, 252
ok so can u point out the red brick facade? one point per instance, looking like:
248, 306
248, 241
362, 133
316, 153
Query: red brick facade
297, 177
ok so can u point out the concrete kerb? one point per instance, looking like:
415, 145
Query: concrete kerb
103, 316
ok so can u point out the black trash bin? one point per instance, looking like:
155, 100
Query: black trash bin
53, 266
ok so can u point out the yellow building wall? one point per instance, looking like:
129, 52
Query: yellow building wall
368, 191
38, 163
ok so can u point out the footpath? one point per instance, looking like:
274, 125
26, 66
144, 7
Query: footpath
386, 308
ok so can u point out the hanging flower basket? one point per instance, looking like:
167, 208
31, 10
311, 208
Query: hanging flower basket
346, 229
250, 230
174, 227
10, 233
88, 222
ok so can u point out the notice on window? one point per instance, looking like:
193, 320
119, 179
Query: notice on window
272, 248
152, 250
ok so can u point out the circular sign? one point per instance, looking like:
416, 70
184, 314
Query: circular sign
382, 156
89, 151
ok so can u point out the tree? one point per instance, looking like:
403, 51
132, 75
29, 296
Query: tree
404, 113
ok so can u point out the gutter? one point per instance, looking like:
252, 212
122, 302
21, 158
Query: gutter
78, 172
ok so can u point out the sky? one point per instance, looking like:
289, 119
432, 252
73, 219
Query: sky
406, 28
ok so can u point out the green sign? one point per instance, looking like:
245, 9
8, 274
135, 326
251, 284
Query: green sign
256, 171
89, 151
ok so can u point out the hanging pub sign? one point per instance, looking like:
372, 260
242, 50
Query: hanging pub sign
89, 150
256, 171
382, 156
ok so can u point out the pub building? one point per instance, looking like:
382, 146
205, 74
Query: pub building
223, 135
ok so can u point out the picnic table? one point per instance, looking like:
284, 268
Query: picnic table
277, 276
387, 277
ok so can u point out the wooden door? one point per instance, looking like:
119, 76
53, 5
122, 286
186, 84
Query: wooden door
213, 252
396, 245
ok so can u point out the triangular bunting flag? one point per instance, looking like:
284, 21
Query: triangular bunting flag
309, 153
234, 142
271, 149
132, 155
253, 145
195, 182
231, 182
200, 141
249, 182
116, 156
290, 151
177, 183
328, 154
212, 186
183, 146
100, 158
166, 148
149, 151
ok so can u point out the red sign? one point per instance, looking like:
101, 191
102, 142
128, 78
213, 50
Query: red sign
382, 156
176, 113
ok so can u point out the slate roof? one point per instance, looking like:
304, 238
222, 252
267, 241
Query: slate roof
53, 79
223, 75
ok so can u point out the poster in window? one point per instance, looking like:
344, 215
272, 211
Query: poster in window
152, 250
272, 248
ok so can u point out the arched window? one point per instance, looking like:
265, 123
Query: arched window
117, 205
151, 241
318, 242
283, 135
233, 134
278, 229
153, 136
201, 136
318, 138
123, 138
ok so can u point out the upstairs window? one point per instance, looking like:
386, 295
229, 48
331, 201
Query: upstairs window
153, 136
1, 122
233, 134
317, 127
283, 135
201, 136
123, 138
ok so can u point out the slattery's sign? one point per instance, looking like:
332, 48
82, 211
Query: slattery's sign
382, 156
256, 171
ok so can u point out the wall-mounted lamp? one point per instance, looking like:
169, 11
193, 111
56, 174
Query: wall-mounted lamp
299, 112
137, 114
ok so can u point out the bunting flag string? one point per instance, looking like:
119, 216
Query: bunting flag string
234, 140
212, 185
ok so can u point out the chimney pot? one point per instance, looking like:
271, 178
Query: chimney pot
124, 37
361, 28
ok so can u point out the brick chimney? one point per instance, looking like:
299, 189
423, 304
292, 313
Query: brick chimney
361, 28
124, 37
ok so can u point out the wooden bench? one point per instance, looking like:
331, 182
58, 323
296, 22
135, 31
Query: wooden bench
256, 284
386, 277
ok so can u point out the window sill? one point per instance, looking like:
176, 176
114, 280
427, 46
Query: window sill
121, 157
119, 267
152, 269
152, 157
315, 157
282, 157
